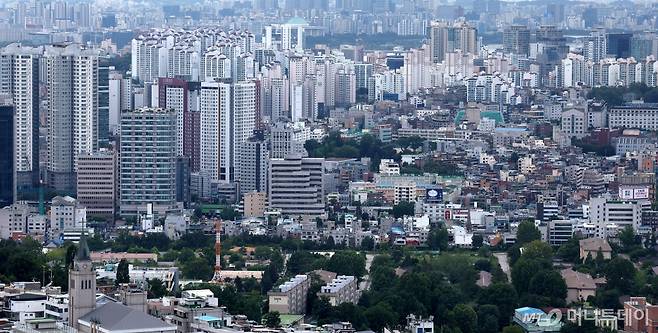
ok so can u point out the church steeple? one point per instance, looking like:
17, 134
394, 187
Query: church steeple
83, 249
82, 284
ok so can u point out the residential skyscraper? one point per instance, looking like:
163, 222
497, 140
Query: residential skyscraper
7, 186
446, 38
103, 103
228, 119
173, 94
252, 163
516, 39
72, 84
147, 160
19, 77
179, 95
120, 95
595, 46
285, 139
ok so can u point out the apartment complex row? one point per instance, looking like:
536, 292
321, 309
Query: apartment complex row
290, 297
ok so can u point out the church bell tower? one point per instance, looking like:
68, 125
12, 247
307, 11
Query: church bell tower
82, 284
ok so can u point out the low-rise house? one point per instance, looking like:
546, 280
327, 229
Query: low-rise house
591, 246
580, 286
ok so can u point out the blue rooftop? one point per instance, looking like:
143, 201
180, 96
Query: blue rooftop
528, 310
207, 318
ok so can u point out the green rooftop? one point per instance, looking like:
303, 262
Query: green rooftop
290, 319
495, 115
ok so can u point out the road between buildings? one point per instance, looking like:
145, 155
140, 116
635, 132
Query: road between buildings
504, 264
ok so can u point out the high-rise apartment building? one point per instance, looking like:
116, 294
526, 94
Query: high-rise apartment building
595, 46
97, 183
446, 38
182, 96
173, 94
7, 187
72, 85
286, 139
228, 119
104, 102
296, 186
120, 98
516, 39
147, 160
19, 77
251, 164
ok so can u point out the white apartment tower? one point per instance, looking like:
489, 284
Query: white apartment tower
251, 164
19, 78
72, 85
228, 120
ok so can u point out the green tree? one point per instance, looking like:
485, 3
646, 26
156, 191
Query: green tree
465, 318
527, 232
123, 275
263, 252
197, 269
380, 316
537, 250
301, 262
272, 319
477, 241
156, 289
619, 274
570, 251
270, 276
404, 208
70, 255
488, 318
353, 314
347, 263
368, 244
628, 239
483, 265
323, 311
548, 283
504, 296
523, 271
438, 238
512, 329
229, 214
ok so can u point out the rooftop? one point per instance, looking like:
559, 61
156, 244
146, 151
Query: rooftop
118, 317
595, 244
